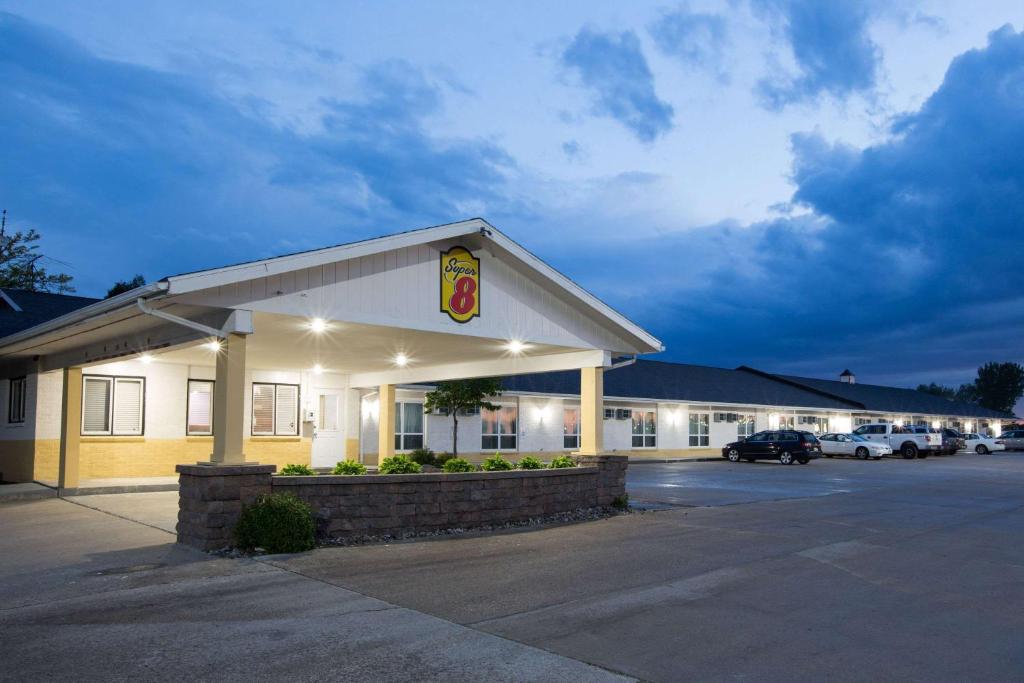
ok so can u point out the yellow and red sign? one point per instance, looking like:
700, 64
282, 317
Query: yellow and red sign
460, 284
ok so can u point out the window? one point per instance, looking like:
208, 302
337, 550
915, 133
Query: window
408, 426
113, 405
699, 430
787, 422
275, 409
571, 428
745, 426
499, 428
858, 421
16, 400
199, 410
645, 428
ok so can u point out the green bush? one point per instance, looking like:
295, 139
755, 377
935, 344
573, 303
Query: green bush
399, 464
453, 465
349, 467
423, 456
528, 462
297, 471
561, 462
496, 463
621, 502
441, 458
276, 522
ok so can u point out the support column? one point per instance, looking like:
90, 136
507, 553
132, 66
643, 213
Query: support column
229, 402
386, 422
591, 411
352, 412
70, 429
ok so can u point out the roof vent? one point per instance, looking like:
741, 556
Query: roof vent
848, 377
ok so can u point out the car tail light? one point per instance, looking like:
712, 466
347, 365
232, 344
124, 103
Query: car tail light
808, 445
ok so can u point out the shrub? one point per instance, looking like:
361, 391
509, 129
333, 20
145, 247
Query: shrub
453, 465
276, 522
561, 462
349, 467
423, 456
621, 502
297, 471
399, 464
528, 462
496, 463
441, 458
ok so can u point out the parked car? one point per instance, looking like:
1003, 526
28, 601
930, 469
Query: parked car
1013, 440
785, 445
983, 444
852, 444
902, 440
952, 441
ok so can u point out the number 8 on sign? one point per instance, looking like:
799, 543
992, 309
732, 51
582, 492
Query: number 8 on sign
460, 284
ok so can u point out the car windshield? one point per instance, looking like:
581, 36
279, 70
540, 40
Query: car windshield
857, 437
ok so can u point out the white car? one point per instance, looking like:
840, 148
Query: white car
983, 444
852, 444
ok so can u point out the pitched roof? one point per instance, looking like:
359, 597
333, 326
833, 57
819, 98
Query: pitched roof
684, 383
877, 398
36, 308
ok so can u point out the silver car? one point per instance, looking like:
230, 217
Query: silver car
1013, 439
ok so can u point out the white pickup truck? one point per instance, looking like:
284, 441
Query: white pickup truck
902, 441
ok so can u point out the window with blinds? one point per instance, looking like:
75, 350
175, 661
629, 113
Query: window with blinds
113, 405
16, 400
200, 408
275, 409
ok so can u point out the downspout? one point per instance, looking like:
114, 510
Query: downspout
622, 363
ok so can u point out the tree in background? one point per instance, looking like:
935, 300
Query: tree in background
122, 286
19, 263
968, 393
948, 393
461, 394
1000, 385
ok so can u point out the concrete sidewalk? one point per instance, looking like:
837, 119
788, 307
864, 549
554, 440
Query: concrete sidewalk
92, 597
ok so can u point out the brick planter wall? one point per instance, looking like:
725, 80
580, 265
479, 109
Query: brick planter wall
347, 506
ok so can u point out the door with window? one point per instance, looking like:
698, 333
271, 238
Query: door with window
328, 440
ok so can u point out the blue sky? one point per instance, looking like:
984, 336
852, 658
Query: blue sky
799, 186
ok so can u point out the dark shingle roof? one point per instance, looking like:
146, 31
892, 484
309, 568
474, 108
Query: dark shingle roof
36, 308
877, 398
681, 382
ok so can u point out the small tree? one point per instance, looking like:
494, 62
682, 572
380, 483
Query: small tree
19, 263
948, 393
122, 286
461, 394
1000, 385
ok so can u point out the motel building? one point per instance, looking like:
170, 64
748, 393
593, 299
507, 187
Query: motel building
326, 355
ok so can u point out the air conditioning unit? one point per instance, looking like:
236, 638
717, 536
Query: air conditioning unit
623, 413
732, 417
720, 417
609, 413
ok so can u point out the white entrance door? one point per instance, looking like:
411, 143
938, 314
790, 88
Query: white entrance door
328, 441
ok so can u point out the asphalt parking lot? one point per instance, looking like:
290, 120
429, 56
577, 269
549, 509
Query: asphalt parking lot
841, 569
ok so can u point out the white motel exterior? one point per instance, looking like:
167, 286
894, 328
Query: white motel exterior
326, 355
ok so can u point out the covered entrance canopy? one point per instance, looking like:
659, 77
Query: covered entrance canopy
454, 301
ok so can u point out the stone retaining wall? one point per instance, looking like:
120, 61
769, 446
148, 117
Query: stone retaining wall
346, 506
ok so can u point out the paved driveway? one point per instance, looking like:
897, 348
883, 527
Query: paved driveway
841, 570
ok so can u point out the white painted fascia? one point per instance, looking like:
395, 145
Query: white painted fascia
10, 301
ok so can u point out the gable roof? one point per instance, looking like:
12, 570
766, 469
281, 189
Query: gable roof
878, 398
649, 379
21, 309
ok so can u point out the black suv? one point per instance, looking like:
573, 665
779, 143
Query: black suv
952, 441
785, 445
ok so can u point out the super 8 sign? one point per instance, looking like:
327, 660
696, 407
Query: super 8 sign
460, 284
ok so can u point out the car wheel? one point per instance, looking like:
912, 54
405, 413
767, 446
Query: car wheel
803, 460
733, 455
862, 453
786, 458
908, 451
981, 449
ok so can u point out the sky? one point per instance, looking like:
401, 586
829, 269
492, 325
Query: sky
799, 186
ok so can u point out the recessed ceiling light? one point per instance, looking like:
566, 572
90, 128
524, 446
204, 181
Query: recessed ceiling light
401, 360
516, 346
212, 345
318, 369
146, 358
318, 325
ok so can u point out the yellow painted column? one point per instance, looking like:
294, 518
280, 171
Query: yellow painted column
70, 429
386, 422
229, 402
591, 411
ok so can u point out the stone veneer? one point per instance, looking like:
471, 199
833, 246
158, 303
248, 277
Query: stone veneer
211, 498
